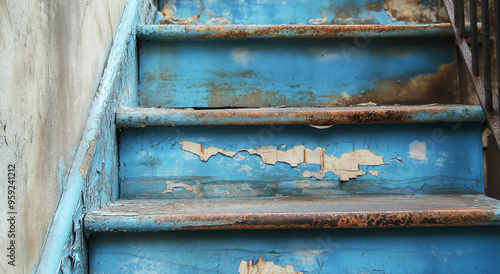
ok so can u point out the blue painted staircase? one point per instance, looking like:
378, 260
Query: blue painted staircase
291, 137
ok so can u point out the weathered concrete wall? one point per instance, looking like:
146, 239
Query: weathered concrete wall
51, 57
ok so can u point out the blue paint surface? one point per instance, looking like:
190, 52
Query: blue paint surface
451, 250
286, 12
149, 157
280, 72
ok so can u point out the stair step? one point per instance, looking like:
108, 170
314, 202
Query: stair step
141, 117
338, 12
251, 73
354, 211
403, 250
176, 32
300, 160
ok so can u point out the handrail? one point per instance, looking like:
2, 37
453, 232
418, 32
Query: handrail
483, 85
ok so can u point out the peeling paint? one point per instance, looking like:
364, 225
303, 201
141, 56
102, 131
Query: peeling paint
418, 151
441, 87
204, 153
414, 12
171, 185
168, 17
346, 167
318, 21
87, 160
373, 172
216, 19
263, 267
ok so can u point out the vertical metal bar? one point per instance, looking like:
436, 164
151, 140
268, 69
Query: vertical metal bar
460, 17
486, 54
474, 42
497, 44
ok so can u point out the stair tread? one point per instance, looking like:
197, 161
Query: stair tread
167, 32
352, 211
138, 117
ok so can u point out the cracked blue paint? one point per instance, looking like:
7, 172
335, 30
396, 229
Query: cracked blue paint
151, 156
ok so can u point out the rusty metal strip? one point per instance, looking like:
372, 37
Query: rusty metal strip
141, 117
491, 117
169, 32
352, 211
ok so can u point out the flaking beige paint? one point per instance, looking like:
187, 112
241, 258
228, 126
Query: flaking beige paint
51, 56
263, 267
346, 167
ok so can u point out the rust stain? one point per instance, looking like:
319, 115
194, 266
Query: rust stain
171, 185
305, 31
312, 116
204, 154
441, 88
374, 6
427, 218
349, 14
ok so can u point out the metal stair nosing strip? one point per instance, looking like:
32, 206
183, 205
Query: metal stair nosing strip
169, 32
139, 117
353, 211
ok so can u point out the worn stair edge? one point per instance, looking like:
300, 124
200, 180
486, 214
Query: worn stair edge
141, 117
354, 211
169, 32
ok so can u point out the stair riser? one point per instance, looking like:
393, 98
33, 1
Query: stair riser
452, 250
296, 73
289, 12
154, 164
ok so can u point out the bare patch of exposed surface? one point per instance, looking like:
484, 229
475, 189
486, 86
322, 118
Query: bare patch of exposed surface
346, 167
168, 11
413, 12
263, 267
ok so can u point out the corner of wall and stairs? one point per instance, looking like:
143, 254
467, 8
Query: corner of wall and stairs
51, 58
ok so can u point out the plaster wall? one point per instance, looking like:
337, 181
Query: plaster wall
51, 56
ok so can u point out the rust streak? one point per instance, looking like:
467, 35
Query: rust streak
305, 31
432, 218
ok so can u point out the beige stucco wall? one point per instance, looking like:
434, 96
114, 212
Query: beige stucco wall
51, 57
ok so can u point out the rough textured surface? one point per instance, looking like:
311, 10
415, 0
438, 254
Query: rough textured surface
261, 266
451, 250
51, 57
220, 12
242, 73
353, 211
347, 166
159, 162
415, 12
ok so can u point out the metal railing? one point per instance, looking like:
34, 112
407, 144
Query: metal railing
481, 75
